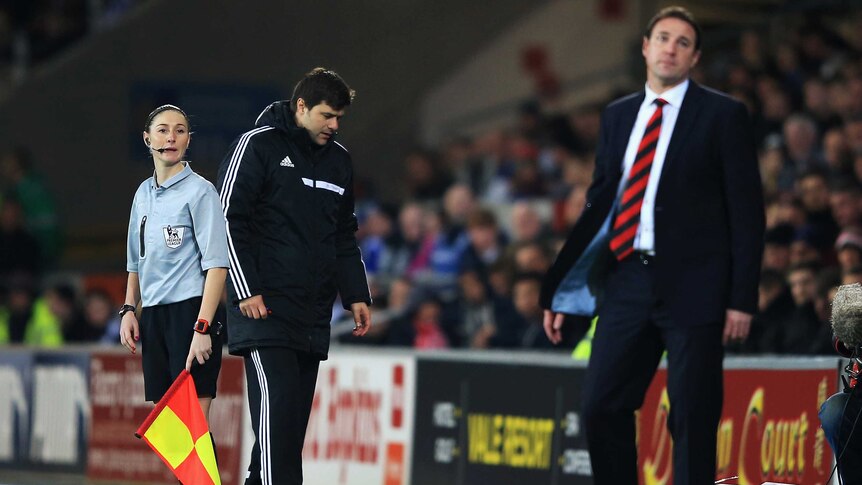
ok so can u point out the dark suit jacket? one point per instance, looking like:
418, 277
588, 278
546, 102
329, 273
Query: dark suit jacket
709, 216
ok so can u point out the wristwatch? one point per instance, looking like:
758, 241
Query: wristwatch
202, 326
125, 309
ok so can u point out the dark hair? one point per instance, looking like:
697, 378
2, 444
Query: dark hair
845, 185
66, 292
481, 217
818, 172
771, 279
827, 279
675, 12
100, 293
321, 85
810, 266
162, 109
529, 276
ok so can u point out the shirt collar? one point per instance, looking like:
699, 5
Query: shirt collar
185, 172
673, 96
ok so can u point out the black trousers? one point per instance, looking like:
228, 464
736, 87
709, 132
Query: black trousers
166, 335
281, 384
633, 330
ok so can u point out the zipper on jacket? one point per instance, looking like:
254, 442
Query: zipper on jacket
143, 226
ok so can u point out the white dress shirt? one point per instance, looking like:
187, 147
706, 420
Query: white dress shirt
645, 237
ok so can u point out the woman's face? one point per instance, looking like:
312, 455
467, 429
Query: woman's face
169, 131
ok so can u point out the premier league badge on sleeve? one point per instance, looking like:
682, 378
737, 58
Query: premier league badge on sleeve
173, 236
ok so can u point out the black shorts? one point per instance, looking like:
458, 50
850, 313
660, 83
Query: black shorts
166, 335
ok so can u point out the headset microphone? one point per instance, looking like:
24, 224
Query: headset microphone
160, 150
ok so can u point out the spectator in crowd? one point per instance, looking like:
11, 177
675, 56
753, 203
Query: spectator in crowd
486, 245
853, 133
425, 179
63, 302
379, 232
526, 223
774, 309
802, 326
19, 250
816, 104
26, 318
814, 194
828, 281
402, 246
530, 257
848, 247
785, 210
525, 294
481, 318
40, 218
448, 240
777, 178
805, 246
422, 328
570, 209
800, 143
776, 250
845, 199
836, 153
102, 324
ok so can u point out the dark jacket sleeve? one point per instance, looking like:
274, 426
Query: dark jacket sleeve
744, 197
588, 224
352, 282
240, 180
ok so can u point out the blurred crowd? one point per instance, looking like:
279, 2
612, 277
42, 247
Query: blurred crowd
33, 31
457, 262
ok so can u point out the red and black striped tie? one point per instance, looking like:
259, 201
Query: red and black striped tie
629, 210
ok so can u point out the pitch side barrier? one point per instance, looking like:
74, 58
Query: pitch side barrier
399, 417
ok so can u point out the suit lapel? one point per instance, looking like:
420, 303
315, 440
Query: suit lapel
628, 116
684, 122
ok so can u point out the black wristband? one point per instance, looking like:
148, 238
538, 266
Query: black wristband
125, 309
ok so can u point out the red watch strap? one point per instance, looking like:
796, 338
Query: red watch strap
202, 326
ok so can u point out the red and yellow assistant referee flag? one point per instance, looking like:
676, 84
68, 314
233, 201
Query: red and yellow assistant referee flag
177, 431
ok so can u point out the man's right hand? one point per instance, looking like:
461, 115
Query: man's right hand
253, 307
553, 322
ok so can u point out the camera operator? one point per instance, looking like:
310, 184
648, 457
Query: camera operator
839, 415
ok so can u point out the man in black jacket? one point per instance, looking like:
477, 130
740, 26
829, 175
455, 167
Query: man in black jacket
286, 191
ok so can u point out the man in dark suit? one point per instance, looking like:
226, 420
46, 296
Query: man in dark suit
668, 250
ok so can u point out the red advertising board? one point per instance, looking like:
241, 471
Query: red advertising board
118, 408
769, 430
361, 425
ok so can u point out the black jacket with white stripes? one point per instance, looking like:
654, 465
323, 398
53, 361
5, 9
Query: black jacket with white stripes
288, 205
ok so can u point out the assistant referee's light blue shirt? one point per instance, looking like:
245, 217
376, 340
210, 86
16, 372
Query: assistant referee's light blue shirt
176, 233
